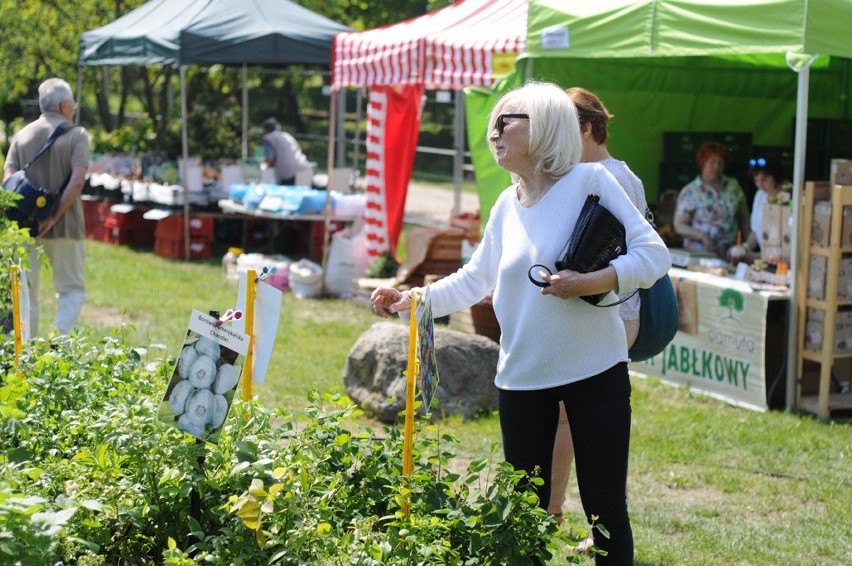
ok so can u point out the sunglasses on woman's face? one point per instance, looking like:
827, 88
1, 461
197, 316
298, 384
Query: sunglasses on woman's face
501, 120
759, 162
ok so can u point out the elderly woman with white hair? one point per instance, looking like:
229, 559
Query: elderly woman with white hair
554, 345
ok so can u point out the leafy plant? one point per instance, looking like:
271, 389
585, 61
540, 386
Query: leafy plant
14, 249
383, 267
91, 475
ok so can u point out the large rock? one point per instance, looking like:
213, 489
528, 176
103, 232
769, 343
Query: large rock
466, 367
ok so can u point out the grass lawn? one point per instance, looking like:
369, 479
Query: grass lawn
709, 483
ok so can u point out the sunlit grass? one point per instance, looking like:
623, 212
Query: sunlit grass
709, 483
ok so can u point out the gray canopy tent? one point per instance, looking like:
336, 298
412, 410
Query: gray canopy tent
192, 32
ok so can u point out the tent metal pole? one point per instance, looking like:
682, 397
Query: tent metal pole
356, 137
332, 125
458, 146
341, 129
245, 111
799, 146
184, 143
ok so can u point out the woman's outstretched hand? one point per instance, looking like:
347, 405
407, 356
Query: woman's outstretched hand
387, 301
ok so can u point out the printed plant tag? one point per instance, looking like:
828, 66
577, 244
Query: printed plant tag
205, 378
427, 376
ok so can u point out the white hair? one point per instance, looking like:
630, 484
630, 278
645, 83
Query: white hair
554, 127
52, 92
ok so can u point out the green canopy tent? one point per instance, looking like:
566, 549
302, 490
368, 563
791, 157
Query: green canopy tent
758, 66
191, 32
230, 32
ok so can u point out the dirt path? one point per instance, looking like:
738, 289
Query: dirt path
432, 206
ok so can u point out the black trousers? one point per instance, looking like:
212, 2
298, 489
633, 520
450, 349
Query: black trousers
599, 414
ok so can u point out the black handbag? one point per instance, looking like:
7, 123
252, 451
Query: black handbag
35, 204
597, 239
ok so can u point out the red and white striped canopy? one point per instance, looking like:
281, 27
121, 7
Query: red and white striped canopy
468, 43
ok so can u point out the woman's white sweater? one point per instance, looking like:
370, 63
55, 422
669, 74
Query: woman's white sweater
547, 341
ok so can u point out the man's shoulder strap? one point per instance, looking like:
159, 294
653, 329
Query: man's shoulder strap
60, 129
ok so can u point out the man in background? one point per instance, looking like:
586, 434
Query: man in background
282, 152
62, 168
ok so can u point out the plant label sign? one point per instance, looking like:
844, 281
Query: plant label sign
427, 375
204, 379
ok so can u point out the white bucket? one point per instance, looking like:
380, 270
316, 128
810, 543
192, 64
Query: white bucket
305, 278
306, 290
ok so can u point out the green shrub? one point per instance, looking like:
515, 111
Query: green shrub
91, 476
14, 245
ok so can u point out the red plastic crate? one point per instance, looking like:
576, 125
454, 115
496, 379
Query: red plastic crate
199, 248
143, 238
127, 237
256, 234
171, 228
95, 231
130, 220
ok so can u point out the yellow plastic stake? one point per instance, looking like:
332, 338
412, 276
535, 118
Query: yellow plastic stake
410, 386
251, 285
16, 310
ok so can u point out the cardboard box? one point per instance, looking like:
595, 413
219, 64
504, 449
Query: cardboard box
816, 277
687, 302
786, 231
842, 338
842, 317
846, 228
813, 336
814, 329
844, 280
771, 226
841, 172
821, 228
771, 253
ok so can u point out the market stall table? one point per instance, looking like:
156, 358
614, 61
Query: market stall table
731, 340
232, 209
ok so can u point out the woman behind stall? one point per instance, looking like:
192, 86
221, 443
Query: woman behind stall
554, 346
712, 208
594, 118
768, 176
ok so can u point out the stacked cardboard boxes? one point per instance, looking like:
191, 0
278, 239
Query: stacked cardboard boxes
841, 172
814, 330
776, 231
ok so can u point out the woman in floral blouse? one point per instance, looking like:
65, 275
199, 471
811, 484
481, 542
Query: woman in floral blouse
712, 208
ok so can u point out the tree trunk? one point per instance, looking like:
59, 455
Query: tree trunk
102, 99
126, 82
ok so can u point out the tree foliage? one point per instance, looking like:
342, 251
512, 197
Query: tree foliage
41, 39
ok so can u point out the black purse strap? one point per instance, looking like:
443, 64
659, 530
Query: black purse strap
61, 129
542, 284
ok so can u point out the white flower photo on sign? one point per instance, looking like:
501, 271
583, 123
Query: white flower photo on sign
205, 378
